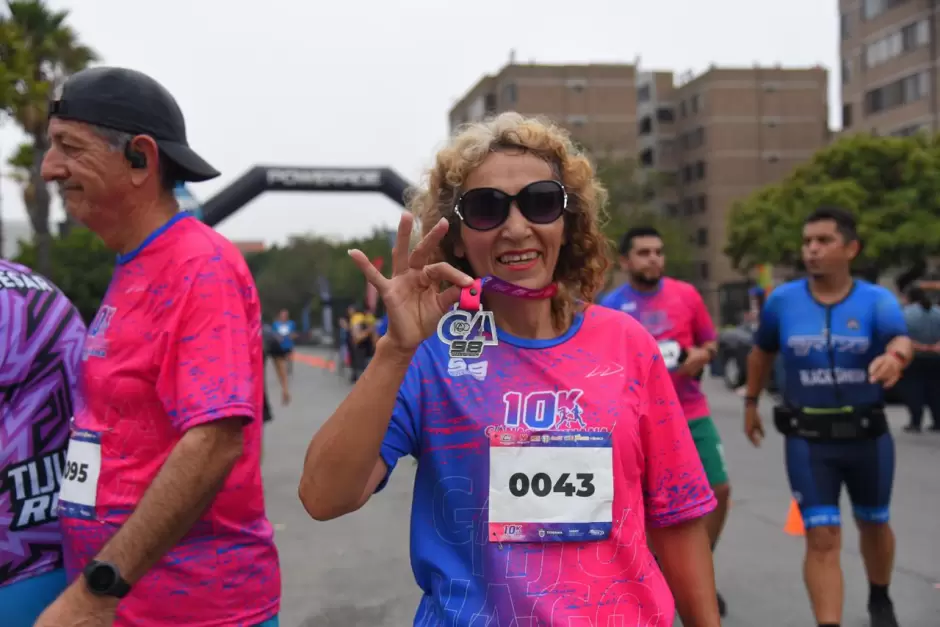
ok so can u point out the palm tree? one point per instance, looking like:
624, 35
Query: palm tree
21, 165
43, 52
11, 69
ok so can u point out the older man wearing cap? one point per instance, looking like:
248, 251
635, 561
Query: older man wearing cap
162, 507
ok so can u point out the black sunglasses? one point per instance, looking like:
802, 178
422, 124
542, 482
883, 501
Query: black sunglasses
486, 208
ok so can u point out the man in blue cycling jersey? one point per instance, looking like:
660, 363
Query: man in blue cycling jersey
843, 341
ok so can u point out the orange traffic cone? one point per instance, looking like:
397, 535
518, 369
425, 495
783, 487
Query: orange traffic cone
794, 525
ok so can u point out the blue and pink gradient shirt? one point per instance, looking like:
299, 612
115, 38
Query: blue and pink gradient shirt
674, 312
41, 337
604, 379
176, 344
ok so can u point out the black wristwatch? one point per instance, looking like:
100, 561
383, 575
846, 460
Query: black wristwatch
104, 580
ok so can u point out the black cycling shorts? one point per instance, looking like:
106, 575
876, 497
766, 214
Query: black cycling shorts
817, 470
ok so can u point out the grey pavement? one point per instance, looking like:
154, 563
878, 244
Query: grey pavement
355, 572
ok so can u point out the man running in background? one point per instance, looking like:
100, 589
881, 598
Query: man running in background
41, 337
843, 341
675, 315
272, 349
287, 333
362, 339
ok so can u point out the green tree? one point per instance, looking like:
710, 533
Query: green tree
629, 204
82, 268
891, 184
287, 276
39, 51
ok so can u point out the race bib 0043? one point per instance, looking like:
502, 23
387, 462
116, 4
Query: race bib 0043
80, 479
550, 486
671, 352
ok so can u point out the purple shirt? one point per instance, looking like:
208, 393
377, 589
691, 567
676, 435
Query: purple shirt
41, 338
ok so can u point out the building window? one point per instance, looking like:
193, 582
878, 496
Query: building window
703, 270
699, 170
688, 206
846, 71
647, 160
897, 93
907, 131
509, 94
910, 37
701, 237
846, 116
577, 121
664, 114
873, 8
682, 110
702, 204
489, 104
643, 94
646, 125
695, 103
844, 26
693, 139
672, 211
577, 85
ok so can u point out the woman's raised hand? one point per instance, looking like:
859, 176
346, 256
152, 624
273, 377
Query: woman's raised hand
412, 296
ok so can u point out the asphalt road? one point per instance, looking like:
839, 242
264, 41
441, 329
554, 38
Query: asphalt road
355, 572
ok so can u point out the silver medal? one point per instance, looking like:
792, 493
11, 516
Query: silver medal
465, 332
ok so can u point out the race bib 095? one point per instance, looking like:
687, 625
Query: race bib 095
550, 486
79, 492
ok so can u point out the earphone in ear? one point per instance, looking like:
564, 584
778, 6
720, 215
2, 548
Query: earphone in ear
137, 159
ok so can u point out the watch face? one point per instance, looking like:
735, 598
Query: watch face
102, 578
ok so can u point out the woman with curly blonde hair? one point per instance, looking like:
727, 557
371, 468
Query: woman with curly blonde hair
546, 429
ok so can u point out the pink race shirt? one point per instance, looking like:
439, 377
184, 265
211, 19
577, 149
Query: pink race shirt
176, 344
675, 313
541, 464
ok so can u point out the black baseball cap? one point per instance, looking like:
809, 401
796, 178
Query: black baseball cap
132, 102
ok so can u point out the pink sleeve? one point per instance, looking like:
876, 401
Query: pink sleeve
702, 326
674, 482
207, 372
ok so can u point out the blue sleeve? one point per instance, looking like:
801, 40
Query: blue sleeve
767, 336
889, 318
610, 299
403, 435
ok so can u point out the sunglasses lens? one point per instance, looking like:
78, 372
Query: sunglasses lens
542, 202
484, 209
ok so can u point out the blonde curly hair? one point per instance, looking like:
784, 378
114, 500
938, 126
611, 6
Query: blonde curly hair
584, 258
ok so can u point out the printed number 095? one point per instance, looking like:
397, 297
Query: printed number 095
76, 472
541, 484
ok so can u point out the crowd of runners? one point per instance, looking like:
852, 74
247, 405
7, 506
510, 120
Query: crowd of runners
568, 470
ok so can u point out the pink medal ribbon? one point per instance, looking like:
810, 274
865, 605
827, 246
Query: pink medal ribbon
468, 329
470, 297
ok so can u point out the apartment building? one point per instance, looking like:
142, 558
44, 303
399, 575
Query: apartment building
713, 139
718, 137
597, 103
889, 66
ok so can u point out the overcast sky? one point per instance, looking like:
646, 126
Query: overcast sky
362, 83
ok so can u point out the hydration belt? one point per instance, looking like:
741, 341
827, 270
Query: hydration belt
840, 423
